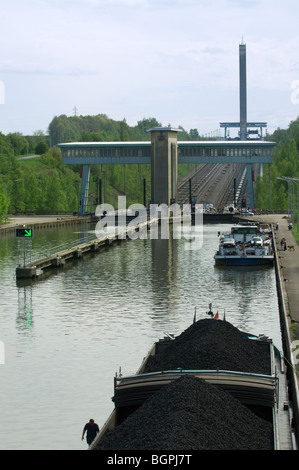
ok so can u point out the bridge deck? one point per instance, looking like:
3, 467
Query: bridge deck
89, 153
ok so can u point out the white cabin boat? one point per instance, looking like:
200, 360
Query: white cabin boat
245, 245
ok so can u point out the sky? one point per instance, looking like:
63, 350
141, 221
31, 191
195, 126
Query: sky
173, 60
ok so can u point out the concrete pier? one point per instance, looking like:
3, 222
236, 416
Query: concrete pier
58, 260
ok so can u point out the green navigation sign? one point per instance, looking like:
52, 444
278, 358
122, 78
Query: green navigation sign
24, 232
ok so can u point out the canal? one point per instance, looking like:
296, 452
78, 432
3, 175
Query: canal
66, 335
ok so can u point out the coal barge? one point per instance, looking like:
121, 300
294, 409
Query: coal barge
211, 388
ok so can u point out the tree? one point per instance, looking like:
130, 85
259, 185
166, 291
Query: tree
194, 134
41, 148
32, 193
3, 204
124, 131
70, 191
284, 163
62, 129
56, 198
148, 123
18, 143
17, 193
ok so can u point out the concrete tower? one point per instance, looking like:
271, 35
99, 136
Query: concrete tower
164, 164
243, 92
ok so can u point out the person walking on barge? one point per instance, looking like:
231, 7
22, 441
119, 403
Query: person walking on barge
92, 429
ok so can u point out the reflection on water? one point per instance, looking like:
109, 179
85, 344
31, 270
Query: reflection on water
67, 334
25, 313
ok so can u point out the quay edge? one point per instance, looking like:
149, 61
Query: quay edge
291, 368
45, 223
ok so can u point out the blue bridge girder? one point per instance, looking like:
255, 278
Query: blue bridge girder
247, 152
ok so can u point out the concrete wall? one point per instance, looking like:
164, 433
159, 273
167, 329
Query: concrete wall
164, 164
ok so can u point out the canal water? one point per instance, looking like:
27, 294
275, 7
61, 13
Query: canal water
66, 335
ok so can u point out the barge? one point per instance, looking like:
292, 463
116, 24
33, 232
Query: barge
245, 372
245, 245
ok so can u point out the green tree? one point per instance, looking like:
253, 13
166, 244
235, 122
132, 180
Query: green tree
3, 204
32, 192
18, 142
56, 198
124, 131
285, 162
70, 190
43, 183
41, 148
148, 123
5, 146
17, 192
63, 129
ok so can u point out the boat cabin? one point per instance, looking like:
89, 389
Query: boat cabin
244, 233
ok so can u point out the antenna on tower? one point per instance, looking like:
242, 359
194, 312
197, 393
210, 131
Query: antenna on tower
75, 111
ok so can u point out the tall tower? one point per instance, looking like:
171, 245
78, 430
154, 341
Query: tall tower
243, 92
164, 164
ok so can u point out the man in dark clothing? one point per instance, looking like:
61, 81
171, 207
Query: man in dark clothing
91, 428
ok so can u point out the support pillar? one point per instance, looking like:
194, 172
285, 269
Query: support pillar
84, 188
164, 165
250, 186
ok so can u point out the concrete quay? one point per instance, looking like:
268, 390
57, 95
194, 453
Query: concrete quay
287, 271
41, 222
287, 267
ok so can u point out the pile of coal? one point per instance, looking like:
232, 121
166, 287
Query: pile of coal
212, 344
190, 414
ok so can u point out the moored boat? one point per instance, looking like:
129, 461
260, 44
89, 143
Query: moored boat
245, 245
236, 373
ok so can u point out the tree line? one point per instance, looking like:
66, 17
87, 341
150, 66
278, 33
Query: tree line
271, 193
100, 128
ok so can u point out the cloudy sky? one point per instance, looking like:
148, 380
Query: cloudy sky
175, 60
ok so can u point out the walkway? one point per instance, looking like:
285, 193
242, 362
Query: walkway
16, 221
41, 222
289, 266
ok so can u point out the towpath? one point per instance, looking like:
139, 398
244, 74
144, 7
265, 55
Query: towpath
20, 220
289, 265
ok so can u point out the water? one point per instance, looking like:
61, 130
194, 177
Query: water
67, 335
